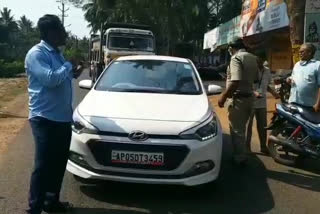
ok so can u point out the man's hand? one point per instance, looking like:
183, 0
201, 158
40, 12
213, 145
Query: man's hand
221, 101
77, 71
290, 81
257, 94
316, 108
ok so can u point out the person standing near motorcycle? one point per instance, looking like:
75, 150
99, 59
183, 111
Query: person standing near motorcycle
241, 75
260, 106
305, 79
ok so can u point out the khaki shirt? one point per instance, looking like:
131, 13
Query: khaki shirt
243, 68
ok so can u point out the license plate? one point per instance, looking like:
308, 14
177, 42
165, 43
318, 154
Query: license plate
141, 158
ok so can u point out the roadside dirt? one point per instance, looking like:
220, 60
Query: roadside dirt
13, 109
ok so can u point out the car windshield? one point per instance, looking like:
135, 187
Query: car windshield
140, 43
150, 76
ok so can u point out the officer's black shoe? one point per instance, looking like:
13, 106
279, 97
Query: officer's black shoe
58, 207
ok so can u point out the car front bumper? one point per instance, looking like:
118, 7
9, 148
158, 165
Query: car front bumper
201, 163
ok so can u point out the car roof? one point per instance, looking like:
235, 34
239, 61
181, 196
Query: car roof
153, 57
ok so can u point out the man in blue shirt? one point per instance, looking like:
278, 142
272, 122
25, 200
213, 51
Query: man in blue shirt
50, 115
305, 79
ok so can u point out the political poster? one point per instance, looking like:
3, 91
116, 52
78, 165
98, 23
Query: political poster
312, 34
260, 16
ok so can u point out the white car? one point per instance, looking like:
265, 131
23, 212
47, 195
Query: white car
147, 120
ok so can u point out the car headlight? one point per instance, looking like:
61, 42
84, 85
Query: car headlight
81, 125
203, 132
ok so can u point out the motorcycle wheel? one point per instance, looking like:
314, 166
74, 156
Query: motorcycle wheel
282, 154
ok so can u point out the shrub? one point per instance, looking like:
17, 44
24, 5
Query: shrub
73, 53
11, 69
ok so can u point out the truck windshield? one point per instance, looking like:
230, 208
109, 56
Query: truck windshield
131, 42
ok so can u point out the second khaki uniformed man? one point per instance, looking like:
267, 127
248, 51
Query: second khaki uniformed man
241, 75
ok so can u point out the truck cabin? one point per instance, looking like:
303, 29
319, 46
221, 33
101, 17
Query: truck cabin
122, 39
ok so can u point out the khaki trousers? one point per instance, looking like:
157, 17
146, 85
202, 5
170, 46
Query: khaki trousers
240, 110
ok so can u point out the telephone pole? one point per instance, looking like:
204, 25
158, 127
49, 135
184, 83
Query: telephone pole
63, 10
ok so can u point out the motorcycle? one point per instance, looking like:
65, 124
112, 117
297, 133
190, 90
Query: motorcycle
295, 134
282, 87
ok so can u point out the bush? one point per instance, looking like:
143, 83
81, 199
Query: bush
11, 69
73, 53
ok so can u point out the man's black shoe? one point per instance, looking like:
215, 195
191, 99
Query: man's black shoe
265, 151
242, 163
58, 207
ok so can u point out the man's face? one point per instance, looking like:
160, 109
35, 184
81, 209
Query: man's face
312, 29
58, 36
305, 53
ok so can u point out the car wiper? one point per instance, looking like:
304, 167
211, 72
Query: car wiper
188, 92
142, 90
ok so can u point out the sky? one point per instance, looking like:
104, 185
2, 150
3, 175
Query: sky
34, 9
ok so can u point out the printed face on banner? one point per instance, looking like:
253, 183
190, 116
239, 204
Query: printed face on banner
312, 34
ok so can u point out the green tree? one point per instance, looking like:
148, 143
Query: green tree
25, 25
7, 19
172, 21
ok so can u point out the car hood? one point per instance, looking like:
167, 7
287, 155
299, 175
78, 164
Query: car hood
145, 106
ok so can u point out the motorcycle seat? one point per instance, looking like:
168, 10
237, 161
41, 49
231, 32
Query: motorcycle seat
310, 115
306, 113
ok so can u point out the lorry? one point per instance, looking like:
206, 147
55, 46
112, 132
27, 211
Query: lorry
118, 40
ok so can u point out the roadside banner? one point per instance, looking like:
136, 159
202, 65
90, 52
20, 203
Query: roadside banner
210, 39
222, 35
312, 28
313, 6
229, 31
260, 16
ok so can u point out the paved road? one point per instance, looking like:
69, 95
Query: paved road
263, 187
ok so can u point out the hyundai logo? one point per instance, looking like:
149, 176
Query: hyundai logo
138, 136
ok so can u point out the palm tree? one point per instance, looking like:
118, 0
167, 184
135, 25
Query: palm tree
7, 19
25, 24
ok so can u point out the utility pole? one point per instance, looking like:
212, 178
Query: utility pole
63, 10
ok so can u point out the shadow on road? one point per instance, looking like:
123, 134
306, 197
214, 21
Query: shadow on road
237, 191
103, 211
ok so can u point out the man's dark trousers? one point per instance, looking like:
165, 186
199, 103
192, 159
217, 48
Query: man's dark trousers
52, 142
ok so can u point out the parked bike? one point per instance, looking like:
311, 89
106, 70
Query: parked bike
295, 134
295, 130
282, 87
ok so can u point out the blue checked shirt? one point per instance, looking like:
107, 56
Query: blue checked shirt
50, 83
306, 83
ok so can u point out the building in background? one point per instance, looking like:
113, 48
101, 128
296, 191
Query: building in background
264, 25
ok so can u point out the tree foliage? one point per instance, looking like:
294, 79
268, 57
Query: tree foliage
172, 21
18, 36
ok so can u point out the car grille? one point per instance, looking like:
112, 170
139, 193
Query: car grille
174, 154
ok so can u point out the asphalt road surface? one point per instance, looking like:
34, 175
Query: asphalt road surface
262, 187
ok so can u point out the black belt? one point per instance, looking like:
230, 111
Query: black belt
242, 95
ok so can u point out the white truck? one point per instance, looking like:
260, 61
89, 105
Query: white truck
119, 40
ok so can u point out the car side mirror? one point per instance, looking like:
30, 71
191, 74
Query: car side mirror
86, 84
214, 90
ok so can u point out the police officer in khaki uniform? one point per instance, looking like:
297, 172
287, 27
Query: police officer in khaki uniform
242, 73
